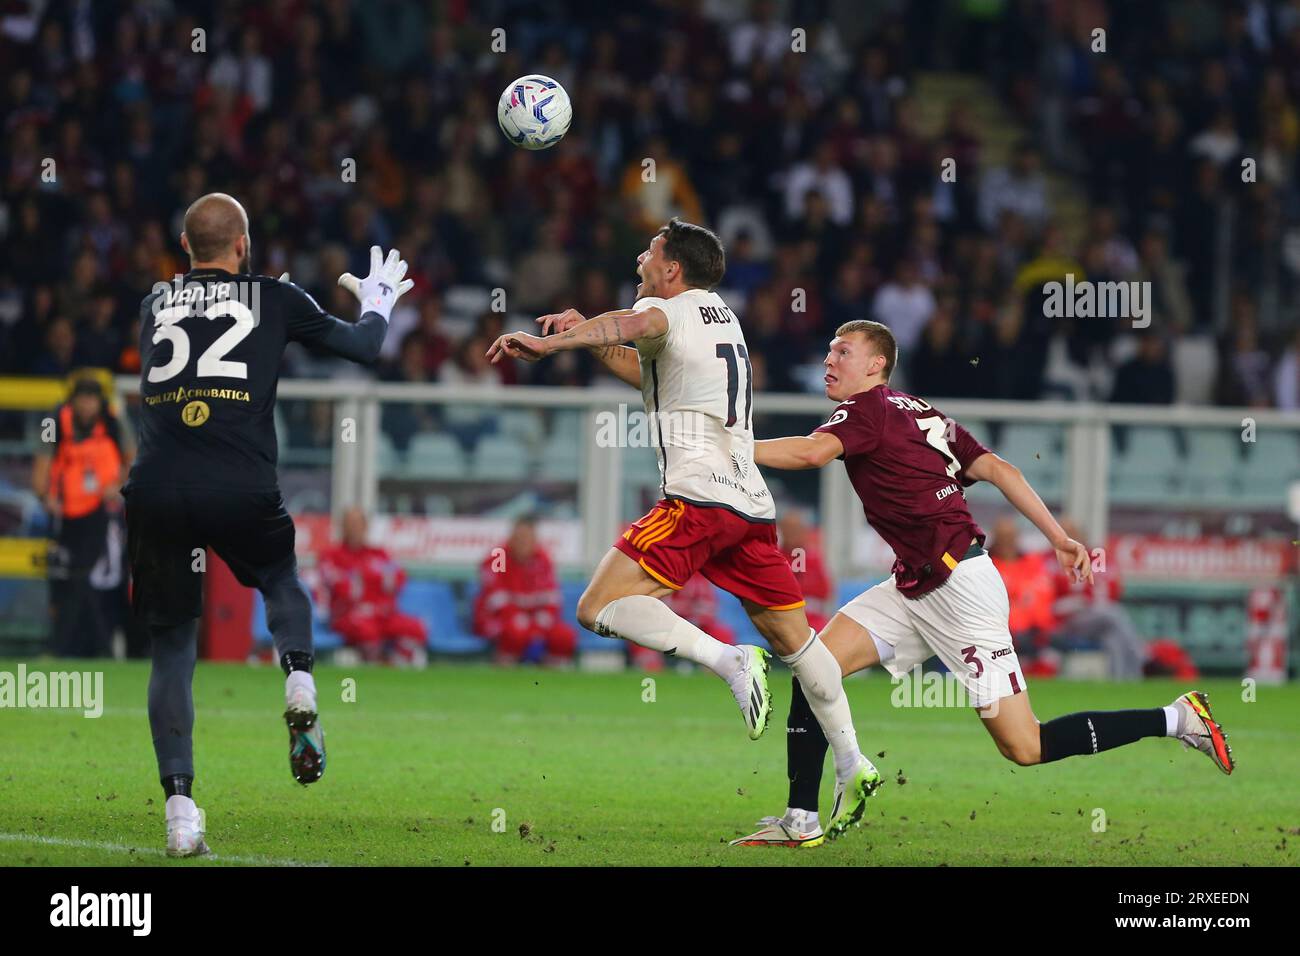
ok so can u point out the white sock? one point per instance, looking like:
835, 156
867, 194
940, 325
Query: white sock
1171, 721
796, 816
180, 807
651, 623
300, 680
823, 684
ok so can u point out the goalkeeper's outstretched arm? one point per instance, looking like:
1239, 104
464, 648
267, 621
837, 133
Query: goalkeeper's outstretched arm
358, 341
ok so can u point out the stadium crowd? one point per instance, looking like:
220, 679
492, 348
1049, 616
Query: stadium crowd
810, 165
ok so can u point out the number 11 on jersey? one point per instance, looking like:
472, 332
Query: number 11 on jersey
728, 352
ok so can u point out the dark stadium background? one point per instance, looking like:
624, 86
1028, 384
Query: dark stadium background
1124, 165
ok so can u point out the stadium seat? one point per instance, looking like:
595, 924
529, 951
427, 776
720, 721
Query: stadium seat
323, 638
435, 455
1272, 462
641, 467
561, 460
565, 423
1037, 451
1030, 446
1148, 468
387, 457
500, 458
524, 424
434, 602
1218, 457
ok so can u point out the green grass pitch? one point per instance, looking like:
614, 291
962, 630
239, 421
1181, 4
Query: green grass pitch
578, 769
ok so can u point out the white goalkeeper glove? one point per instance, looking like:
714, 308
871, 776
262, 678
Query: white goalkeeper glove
380, 290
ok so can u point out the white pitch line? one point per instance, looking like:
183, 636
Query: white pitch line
146, 851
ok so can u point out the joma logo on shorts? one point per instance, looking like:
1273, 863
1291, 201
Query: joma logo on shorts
1000, 652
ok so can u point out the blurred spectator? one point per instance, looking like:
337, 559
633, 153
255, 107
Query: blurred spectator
905, 304
1148, 377
435, 347
831, 154
1031, 590
469, 366
80, 485
825, 178
402, 421
518, 604
57, 359
1286, 381
1168, 283
1020, 188
1090, 614
659, 193
763, 37
939, 366
99, 343
544, 272
1243, 373
850, 296
801, 547
362, 583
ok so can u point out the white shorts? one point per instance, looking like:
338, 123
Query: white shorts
963, 621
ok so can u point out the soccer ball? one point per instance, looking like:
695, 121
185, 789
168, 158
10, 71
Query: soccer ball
534, 112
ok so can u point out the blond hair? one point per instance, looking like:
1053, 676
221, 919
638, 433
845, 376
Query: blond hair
878, 336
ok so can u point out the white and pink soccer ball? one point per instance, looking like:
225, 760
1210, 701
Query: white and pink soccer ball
534, 112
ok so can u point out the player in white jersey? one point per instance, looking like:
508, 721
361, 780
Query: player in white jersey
716, 515
691, 381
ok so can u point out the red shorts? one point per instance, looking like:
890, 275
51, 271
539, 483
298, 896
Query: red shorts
677, 539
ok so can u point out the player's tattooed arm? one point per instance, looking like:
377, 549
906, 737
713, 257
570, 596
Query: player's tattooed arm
621, 360
798, 453
611, 328
1007, 478
602, 335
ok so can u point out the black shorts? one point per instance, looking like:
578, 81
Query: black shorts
166, 526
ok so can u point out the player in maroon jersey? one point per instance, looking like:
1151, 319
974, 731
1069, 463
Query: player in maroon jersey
909, 463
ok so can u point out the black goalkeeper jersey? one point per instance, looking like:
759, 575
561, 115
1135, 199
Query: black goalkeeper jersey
210, 352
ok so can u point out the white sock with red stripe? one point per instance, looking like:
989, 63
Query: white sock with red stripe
651, 623
823, 685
